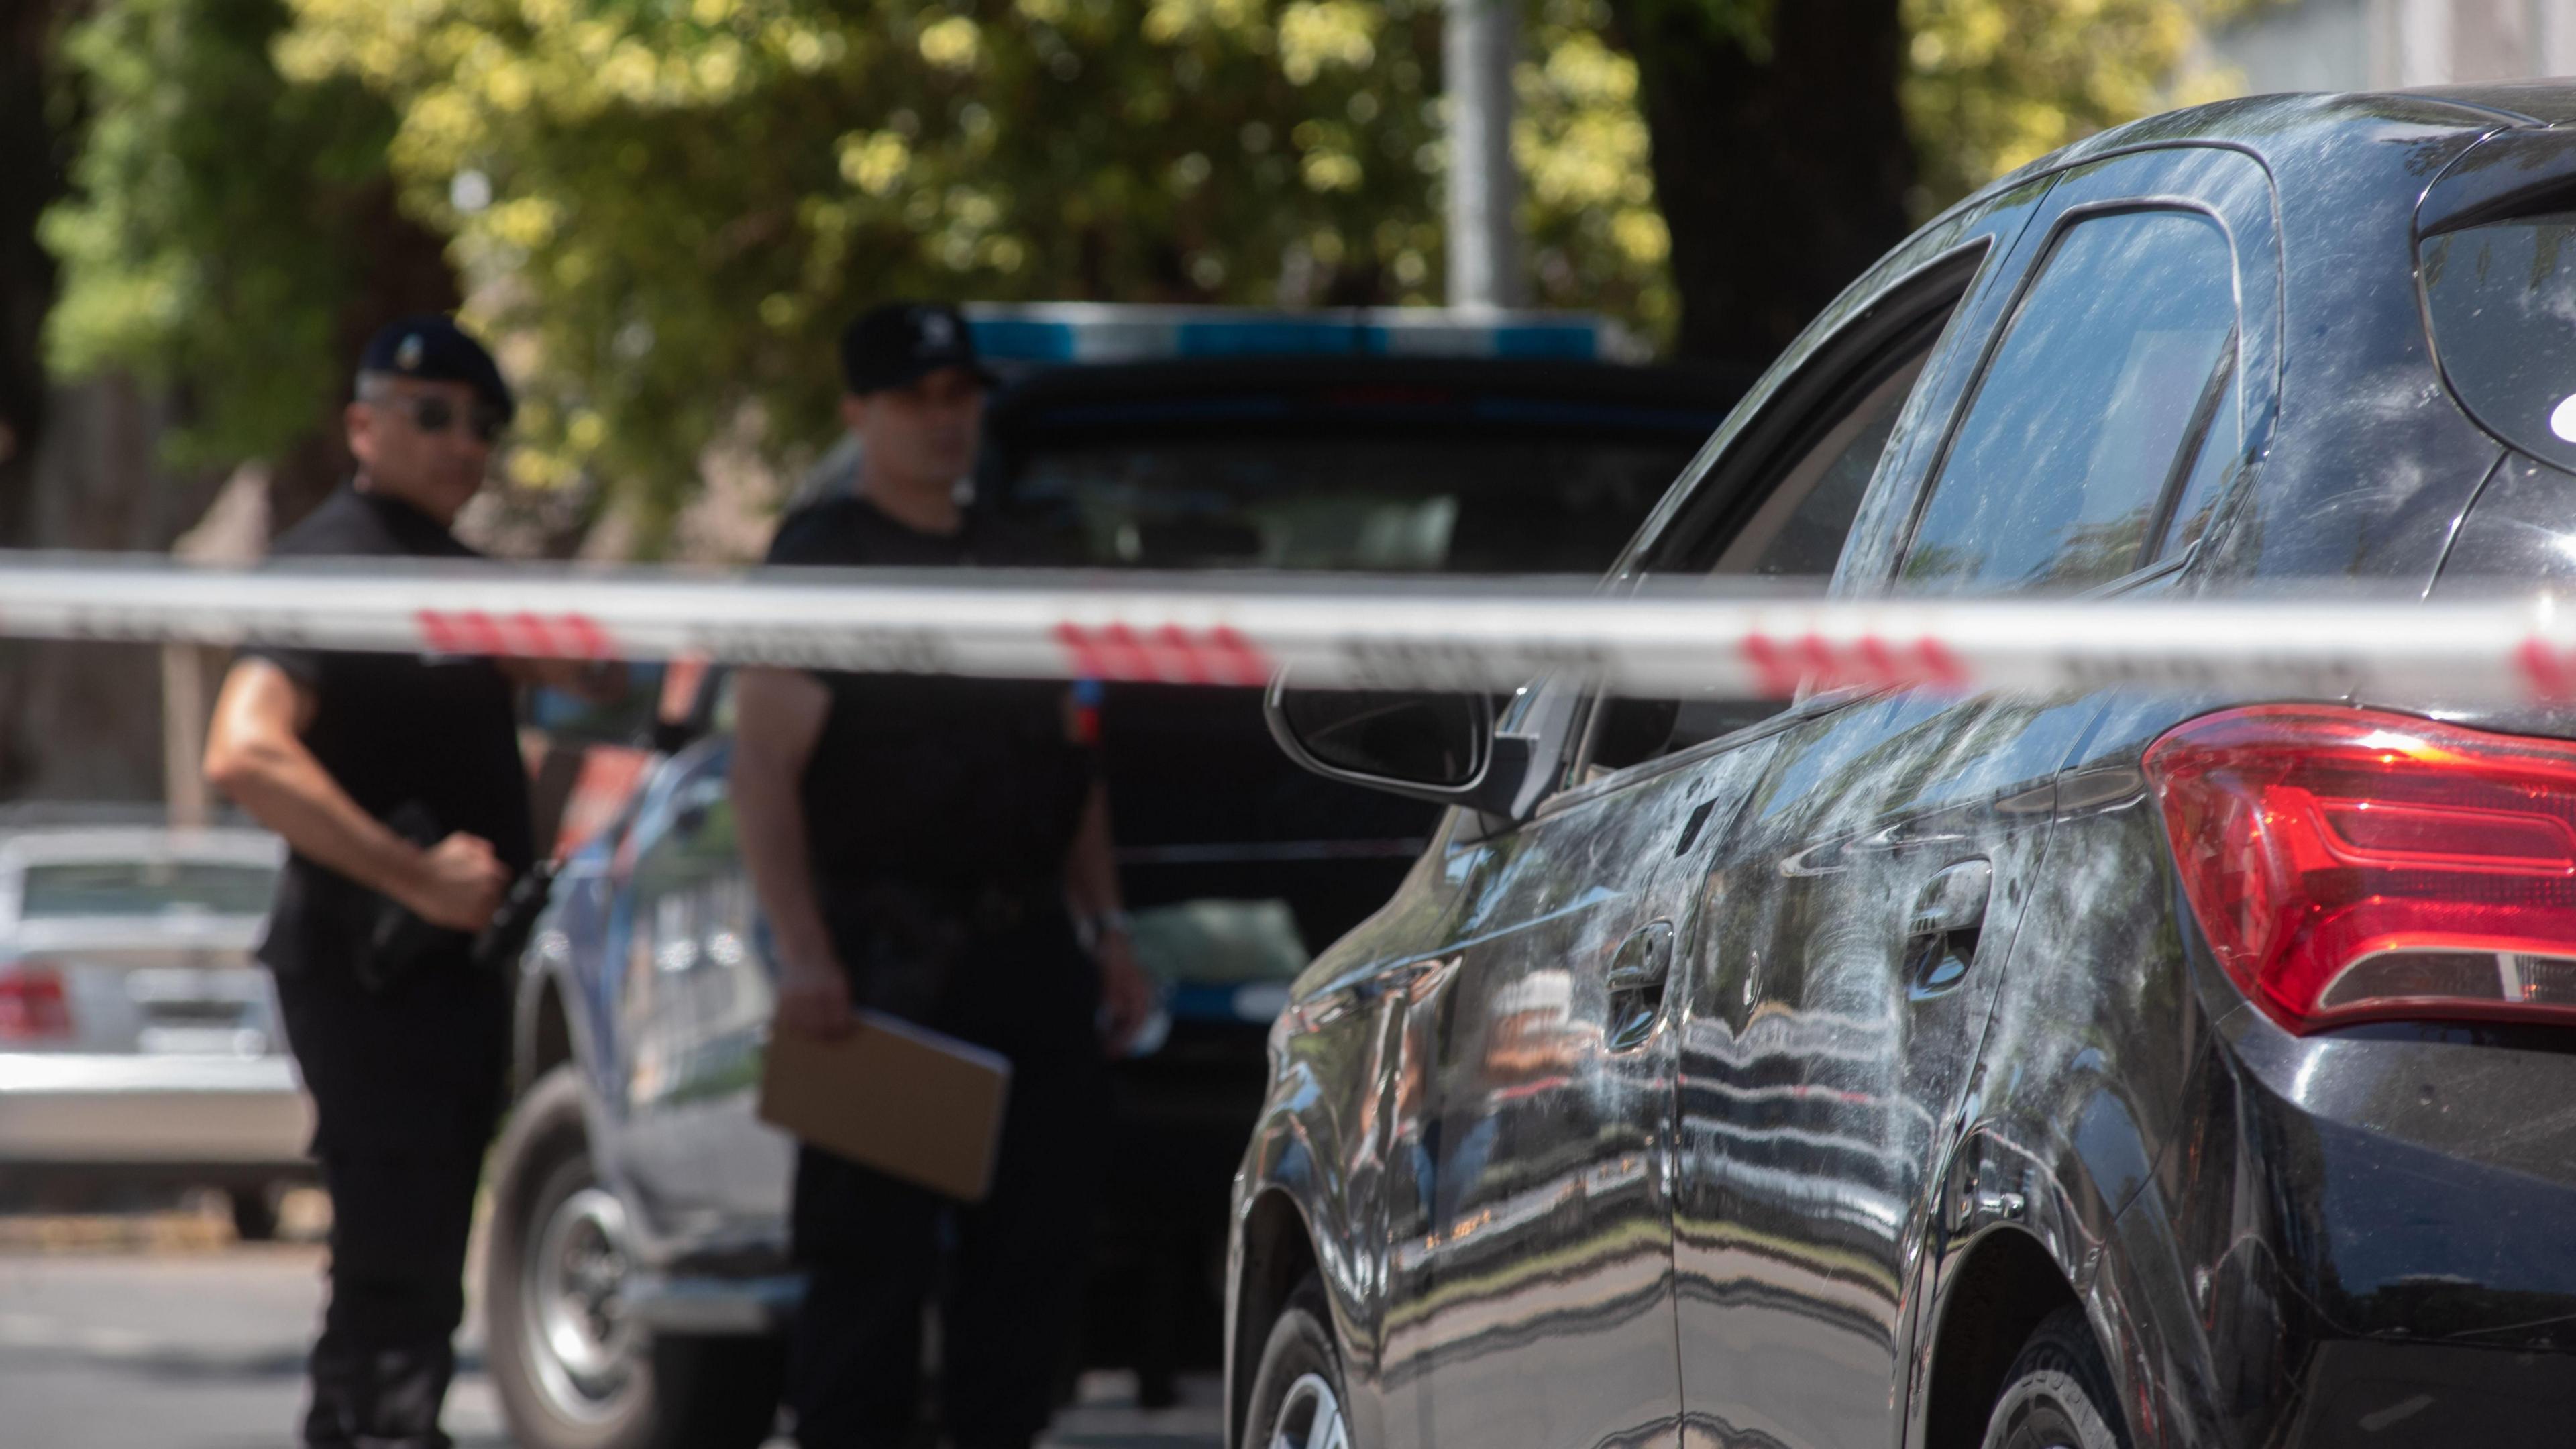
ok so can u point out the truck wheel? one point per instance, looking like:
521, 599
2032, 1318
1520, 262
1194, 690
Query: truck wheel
573, 1368
2058, 1394
1298, 1399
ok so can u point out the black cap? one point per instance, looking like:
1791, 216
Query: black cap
433, 348
903, 342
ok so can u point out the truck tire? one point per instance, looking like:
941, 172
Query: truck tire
574, 1370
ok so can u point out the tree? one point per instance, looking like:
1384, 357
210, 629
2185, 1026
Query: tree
29, 134
230, 236
1992, 84
668, 206
689, 199
1781, 156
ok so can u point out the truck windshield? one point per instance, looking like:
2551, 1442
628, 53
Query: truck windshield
1425, 502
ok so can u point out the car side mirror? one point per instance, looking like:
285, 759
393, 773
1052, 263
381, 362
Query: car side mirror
1426, 746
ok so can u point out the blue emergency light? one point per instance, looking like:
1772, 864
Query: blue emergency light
1038, 334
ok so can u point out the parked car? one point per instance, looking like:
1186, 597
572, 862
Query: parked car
635, 1190
2145, 1066
139, 1043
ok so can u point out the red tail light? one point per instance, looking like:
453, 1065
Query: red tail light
32, 1007
2348, 865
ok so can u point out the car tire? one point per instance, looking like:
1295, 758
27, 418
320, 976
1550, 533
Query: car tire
254, 1213
573, 1371
2058, 1394
1298, 1396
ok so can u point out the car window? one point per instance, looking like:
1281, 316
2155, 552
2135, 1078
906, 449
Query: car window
2221, 449
2501, 299
1797, 530
95, 888
2062, 468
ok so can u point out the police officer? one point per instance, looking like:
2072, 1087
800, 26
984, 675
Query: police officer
925, 847
397, 782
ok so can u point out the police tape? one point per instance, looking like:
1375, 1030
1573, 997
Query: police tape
1357, 632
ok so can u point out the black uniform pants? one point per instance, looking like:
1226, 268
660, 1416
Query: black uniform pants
407, 1092
1010, 1286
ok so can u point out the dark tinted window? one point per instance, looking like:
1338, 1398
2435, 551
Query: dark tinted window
1799, 530
2060, 470
2502, 299
1505, 502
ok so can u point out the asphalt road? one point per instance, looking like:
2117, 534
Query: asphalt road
176, 1342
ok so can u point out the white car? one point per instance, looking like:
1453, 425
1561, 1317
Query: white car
138, 1039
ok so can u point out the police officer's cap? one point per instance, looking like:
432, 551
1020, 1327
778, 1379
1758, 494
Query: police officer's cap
900, 343
432, 348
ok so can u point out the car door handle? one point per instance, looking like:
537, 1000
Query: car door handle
1949, 918
1636, 984
1643, 960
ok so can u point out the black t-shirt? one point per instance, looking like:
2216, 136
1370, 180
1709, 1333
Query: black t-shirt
427, 743
938, 780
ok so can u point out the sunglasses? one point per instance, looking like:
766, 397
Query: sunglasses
438, 415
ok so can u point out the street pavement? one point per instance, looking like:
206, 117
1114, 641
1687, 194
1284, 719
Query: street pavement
180, 1340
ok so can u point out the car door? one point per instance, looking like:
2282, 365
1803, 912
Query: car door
1532, 1256
1863, 914
1529, 1180
692, 997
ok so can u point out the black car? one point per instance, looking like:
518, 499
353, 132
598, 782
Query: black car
636, 1262
2133, 1067
1235, 862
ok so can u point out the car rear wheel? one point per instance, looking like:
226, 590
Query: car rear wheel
1298, 1399
2058, 1394
573, 1367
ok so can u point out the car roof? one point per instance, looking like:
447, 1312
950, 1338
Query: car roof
85, 843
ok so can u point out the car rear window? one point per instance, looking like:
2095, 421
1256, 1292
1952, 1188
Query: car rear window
2060, 471
2501, 299
93, 888
1507, 502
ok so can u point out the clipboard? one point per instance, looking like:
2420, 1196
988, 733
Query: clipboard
905, 1100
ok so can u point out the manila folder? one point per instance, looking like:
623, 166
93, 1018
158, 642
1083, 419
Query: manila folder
900, 1098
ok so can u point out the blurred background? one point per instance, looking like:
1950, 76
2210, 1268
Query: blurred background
662, 211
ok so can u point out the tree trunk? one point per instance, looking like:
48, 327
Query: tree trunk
31, 178
406, 272
1782, 170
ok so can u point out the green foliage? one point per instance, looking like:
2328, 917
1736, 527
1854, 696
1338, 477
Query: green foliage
687, 198
211, 239
1596, 237
1997, 83
668, 207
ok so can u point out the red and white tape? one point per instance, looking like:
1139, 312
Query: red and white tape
1360, 632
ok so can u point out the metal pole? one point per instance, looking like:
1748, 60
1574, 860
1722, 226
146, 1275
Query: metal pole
1479, 43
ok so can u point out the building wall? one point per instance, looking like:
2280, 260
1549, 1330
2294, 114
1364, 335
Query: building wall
2342, 45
